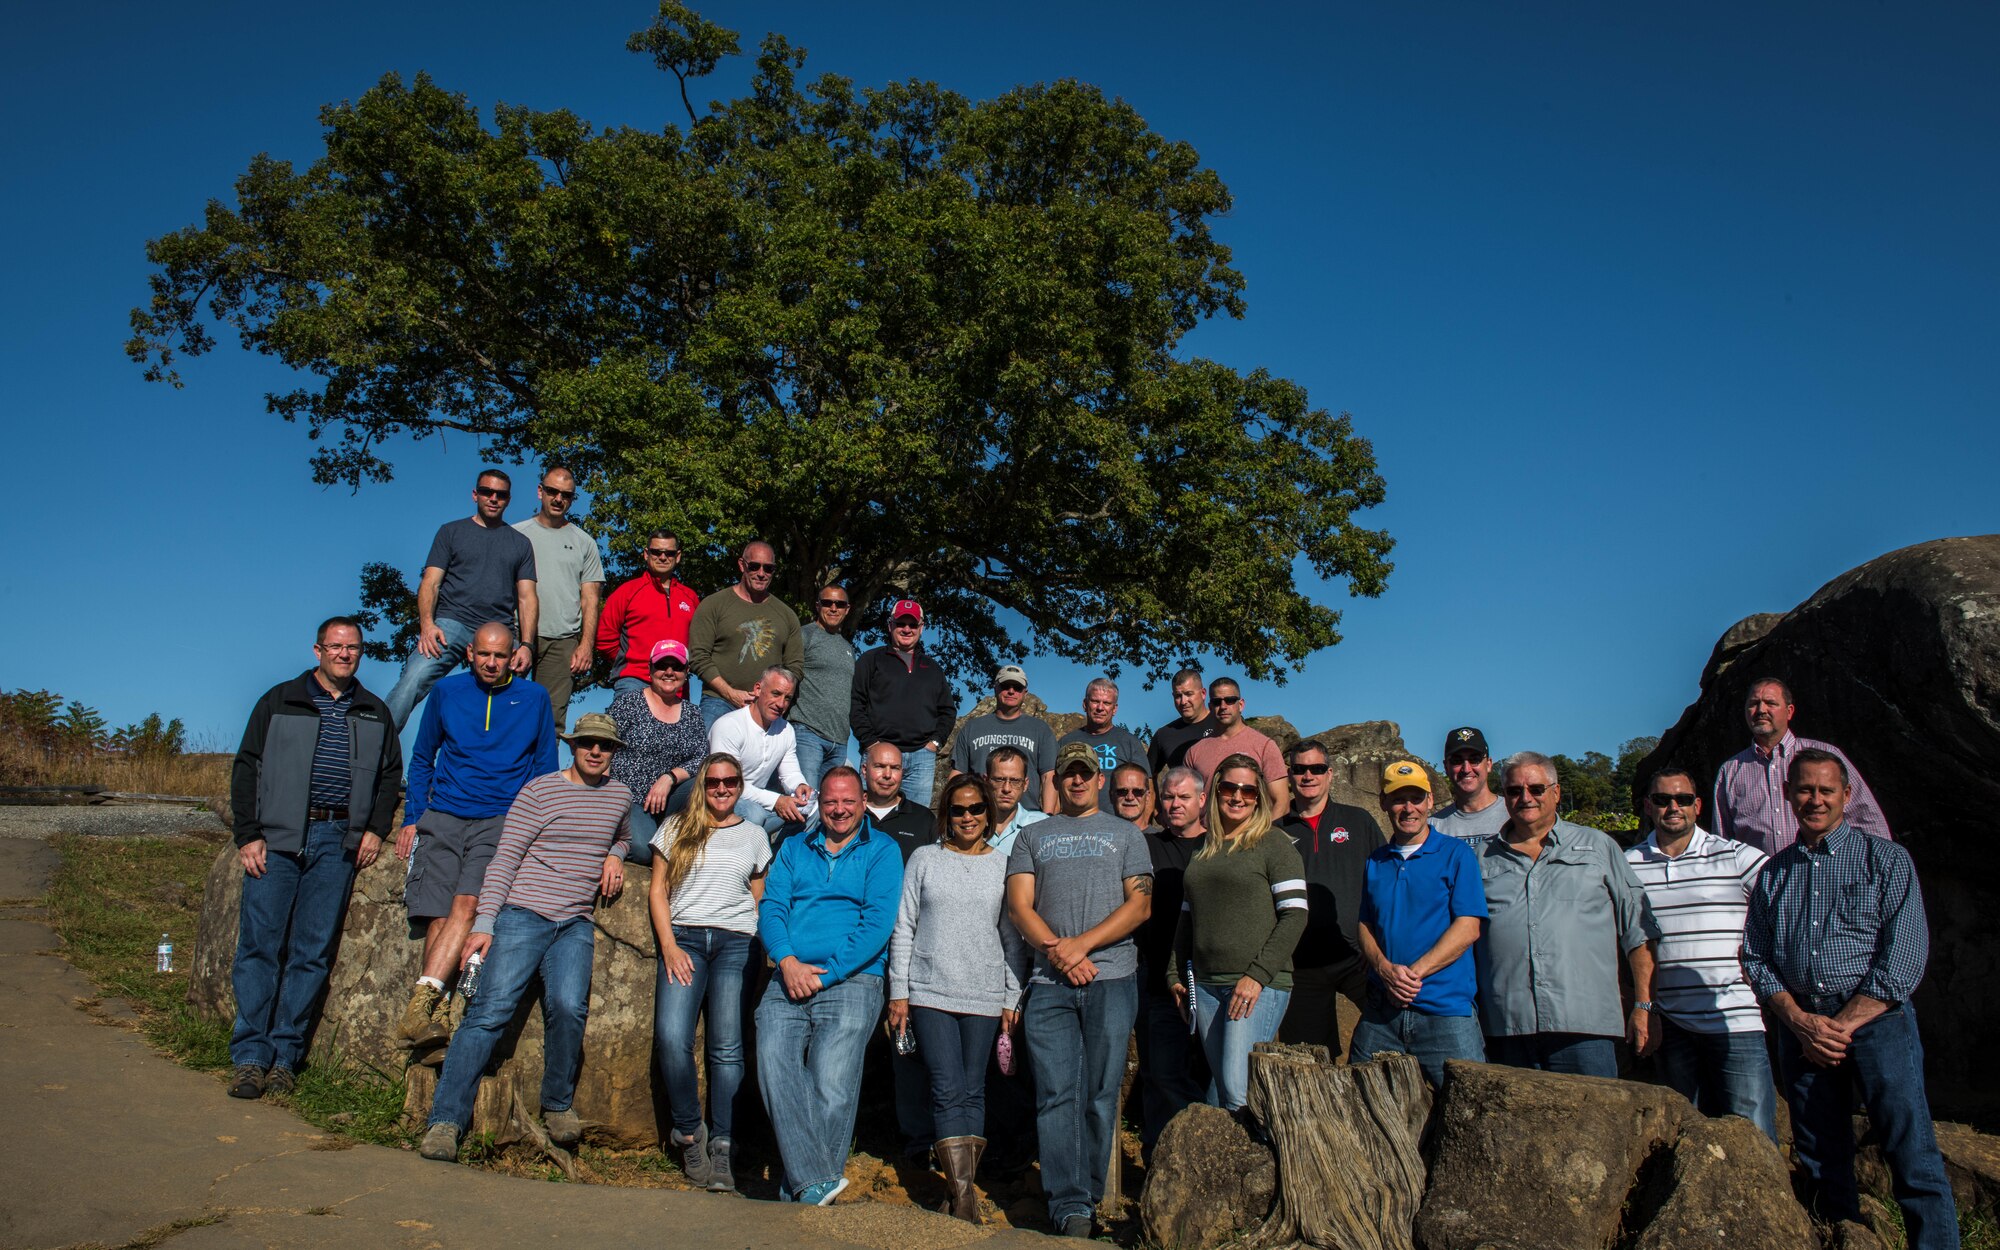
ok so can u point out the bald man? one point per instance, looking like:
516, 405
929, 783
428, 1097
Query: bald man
741, 630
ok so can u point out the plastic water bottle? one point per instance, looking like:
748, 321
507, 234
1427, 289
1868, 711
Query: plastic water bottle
906, 1042
468, 981
163, 954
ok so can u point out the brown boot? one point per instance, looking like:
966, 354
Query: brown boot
959, 1157
416, 1016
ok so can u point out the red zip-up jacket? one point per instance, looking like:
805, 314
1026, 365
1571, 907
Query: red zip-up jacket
637, 615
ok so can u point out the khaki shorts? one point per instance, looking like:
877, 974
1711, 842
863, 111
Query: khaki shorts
449, 859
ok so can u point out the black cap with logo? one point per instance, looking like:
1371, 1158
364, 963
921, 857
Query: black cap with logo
1464, 738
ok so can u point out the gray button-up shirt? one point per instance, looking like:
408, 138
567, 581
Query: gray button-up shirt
1556, 928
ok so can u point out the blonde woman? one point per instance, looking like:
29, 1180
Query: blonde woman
708, 877
1244, 907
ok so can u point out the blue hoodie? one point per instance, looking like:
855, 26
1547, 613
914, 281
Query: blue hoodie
833, 911
476, 747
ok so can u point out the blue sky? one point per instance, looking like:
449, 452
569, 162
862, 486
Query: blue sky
1657, 315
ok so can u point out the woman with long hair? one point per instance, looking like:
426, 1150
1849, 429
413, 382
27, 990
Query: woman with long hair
707, 881
955, 966
665, 738
1244, 907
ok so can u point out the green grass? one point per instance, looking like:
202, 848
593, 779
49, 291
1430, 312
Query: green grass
111, 898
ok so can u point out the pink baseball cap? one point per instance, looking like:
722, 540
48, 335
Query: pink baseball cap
908, 607
668, 649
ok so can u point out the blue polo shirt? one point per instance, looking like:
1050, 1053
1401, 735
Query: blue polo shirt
1410, 901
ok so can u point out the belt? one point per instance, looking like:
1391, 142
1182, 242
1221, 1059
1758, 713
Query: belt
326, 813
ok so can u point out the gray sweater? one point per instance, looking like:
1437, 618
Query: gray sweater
823, 697
954, 948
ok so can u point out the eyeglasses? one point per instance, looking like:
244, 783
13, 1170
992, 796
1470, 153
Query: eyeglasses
967, 809
1006, 686
493, 492
1309, 770
721, 783
1134, 792
1238, 788
664, 553
1008, 782
1676, 800
1229, 700
553, 493
344, 648
842, 604
758, 566
1536, 791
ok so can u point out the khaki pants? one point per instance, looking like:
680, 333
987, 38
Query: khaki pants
552, 657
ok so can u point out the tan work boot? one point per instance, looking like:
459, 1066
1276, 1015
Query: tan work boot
959, 1159
416, 1016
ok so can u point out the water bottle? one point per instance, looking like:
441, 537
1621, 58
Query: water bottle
163, 954
468, 981
906, 1042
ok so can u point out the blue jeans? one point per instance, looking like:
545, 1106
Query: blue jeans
1885, 1068
713, 708
1076, 1043
913, 1100
523, 944
719, 957
817, 754
1581, 1053
919, 771
1386, 1029
1173, 1073
954, 1047
619, 685
421, 672
809, 1071
1720, 1073
1227, 1042
284, 946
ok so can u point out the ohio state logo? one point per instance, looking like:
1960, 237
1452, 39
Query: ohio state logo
1339, 836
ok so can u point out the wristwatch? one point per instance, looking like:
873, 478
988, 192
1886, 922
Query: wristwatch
1642, 1006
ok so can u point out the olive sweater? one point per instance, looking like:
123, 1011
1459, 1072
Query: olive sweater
1242, 913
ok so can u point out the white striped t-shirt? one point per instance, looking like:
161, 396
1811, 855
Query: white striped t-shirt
715, 894
1700, 899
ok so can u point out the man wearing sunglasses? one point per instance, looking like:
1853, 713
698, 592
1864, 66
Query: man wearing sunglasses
1562, 903
1711, 1032
1475, 812
1334, 840
819, 716
1233, 736
651, 608
479, 569
900, 696
569, 583
1010, 725
741, 630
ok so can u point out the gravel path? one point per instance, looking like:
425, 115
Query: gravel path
109, 820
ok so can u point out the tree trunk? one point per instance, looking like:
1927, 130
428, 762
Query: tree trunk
1350, 1176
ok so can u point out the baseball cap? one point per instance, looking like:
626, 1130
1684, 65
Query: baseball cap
1010, 672
668, 649
1076, 753
1404, 775
1465, 738
908, 607
594, 726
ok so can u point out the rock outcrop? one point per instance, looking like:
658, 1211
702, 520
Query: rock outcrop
1898, 662
1209, 1181
1724, 1187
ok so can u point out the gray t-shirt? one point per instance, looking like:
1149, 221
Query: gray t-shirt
1080, 864
1031, 735
564, 560
1471, 828
481, 567
1114, 747
828, 689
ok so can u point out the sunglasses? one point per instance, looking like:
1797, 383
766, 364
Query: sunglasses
758, 566
594, 744
833, 603
553, 493
1537, 790
1675, 800
907, 622
722, 783
670, 666
967, 809
1005, 686
1229, 700
1130, 792
493, 492
664, 553
1309, 770
1237, 788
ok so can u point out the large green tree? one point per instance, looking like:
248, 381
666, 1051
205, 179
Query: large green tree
929, 346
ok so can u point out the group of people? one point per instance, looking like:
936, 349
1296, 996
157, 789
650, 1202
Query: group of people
1203, 888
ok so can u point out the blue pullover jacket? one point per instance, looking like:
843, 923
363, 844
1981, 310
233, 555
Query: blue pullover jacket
833, 911
477, 747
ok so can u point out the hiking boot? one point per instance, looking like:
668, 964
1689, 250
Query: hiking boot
247, 1081
1077, 1226
432, 1055
441, 1143
423, 1002
280, 1080
721, 1179
695, 1163
958, 1159
563, 1126
451, 1012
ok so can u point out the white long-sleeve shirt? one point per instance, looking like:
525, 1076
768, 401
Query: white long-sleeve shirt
762, 752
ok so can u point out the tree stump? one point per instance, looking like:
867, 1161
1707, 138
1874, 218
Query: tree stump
1350, 1175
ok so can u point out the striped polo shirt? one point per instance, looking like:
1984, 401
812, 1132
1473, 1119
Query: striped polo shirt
332, 769
552, 848
1700, 898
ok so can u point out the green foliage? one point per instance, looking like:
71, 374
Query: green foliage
1586, 783
925, 345
1625, 774
79, 730
151, 739
30, 717
387, 602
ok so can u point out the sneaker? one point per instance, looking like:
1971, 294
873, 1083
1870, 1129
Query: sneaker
1077, 1226
721, 1179
247, 1081
563, 1126
695, 1162
441, 1143
280, 1081
822, 1194
423, 1003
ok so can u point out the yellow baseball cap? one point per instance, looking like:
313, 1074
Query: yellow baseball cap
1402, 775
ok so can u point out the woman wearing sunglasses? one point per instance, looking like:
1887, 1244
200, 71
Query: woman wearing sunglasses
704, 896
665, 740
1244, 908
955, 976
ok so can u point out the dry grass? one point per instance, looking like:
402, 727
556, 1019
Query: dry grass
199, 774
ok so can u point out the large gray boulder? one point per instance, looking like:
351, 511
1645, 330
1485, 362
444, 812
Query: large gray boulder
1898, 663
1209, 1181
1724, 1186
